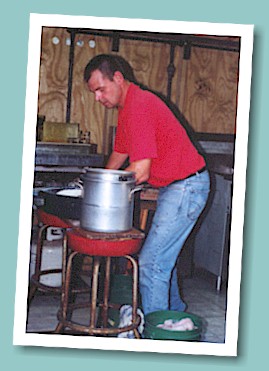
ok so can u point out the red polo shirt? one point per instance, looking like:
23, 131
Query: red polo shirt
148, 129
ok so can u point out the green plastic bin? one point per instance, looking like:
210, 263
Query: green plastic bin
153, 319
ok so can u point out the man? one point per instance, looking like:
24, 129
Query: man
160, 153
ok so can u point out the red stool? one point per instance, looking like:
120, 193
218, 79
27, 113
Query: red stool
99, 246
45, 220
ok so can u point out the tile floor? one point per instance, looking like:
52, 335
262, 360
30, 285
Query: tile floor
204, 300
199, 292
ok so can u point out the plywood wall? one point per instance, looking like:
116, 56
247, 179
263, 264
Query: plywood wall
208, 93
53, 74
204, 87
54, 82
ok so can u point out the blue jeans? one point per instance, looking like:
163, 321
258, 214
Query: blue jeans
179, 206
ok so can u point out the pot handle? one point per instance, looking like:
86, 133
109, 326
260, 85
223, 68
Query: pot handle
135, 189
125, 178
79, 184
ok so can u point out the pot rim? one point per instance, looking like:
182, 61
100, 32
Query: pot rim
115, 176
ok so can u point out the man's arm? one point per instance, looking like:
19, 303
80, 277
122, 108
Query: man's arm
116, 160
141, 168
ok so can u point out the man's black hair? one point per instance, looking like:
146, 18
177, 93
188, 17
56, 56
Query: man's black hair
108, 64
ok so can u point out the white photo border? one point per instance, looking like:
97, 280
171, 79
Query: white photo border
246, 33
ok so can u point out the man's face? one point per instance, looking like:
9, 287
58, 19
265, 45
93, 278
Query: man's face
107, 92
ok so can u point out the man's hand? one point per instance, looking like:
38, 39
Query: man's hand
141, 169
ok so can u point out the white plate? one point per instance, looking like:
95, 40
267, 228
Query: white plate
70, 192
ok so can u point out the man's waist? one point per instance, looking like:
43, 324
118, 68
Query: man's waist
200, 171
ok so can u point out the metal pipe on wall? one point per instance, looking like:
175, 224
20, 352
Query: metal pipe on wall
171, 71
70, 75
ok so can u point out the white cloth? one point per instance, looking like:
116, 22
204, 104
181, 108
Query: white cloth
184, 324
126, 320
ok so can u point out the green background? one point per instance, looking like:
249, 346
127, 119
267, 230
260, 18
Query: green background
253, 331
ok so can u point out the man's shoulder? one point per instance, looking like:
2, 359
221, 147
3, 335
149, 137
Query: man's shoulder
142, 93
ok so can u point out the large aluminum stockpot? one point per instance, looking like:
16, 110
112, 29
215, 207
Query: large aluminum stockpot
108, 200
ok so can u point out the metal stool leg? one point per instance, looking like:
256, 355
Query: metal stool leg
63, 313
94, 291
34, 281
106, 292
134, 294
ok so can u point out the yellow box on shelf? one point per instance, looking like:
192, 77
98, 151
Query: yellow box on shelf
59, 131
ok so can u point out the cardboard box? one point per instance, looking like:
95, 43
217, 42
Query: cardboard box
59, 131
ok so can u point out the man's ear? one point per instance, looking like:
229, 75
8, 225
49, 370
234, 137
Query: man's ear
118, 77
